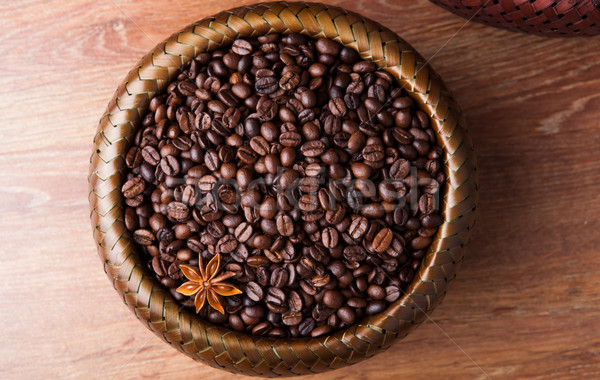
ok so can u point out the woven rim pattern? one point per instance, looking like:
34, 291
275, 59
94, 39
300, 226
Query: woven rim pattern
238, 352
562, 18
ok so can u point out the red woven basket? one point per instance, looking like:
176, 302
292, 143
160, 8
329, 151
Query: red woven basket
554, 18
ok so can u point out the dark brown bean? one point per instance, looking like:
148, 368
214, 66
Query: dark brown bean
178, 211
321, 330
257, 261
373, 153
382, 240
346, 314
291, 318
358, 227
285, 225
312, 148
227, 244
133, 187
260, 145
333, 299
143, 237
254, 291
337, 107
279, 277
241, 47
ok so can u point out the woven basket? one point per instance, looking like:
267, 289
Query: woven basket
555, 18
238, 352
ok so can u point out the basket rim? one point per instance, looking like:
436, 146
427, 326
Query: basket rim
149, 300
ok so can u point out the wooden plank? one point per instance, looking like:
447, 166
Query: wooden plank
525, 303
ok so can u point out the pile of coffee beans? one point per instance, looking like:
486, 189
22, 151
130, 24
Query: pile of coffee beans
310, 172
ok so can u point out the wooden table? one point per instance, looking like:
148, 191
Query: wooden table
525, 303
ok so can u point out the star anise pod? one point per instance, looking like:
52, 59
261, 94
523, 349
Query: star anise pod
206, 285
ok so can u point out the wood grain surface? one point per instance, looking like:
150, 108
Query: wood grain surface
525, 304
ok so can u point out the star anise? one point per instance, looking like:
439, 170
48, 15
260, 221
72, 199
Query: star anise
205, 285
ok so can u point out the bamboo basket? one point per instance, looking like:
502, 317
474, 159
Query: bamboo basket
237, 352
562, 18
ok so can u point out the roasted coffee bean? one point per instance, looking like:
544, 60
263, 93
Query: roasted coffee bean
376, 292
243, 232
285, 225
241, 90
427, 204
357, 302
207, 183
402, 136
272, 163
431, 221
314, 170
327, 47
151, 155
143, 237
240, 254
320, 280
400, 169
289, 80
336, 215
382, 240
260, 145
247, 155
312, 148
290, 139
211, 160
358, 227
420, 242
178, 211
174, 271
375, 307
227, 244
133, 187
306, 326
308, 185
291, 318
268, 208
276, 300
330, 237
189, 195
354, 253
346, 314
168, 282
257, 261
321, 330
193, 243
279, 277
308, 202
266, 85
254, 291
283, 155
134, 157
295, 301
337, 107
236, 322
262, 242
320, 312
364, 67
392, 293
373, 153
333, 299
170, 165
241, 47
318, 252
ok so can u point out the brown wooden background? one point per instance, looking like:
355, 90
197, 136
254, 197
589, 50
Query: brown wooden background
525, 305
